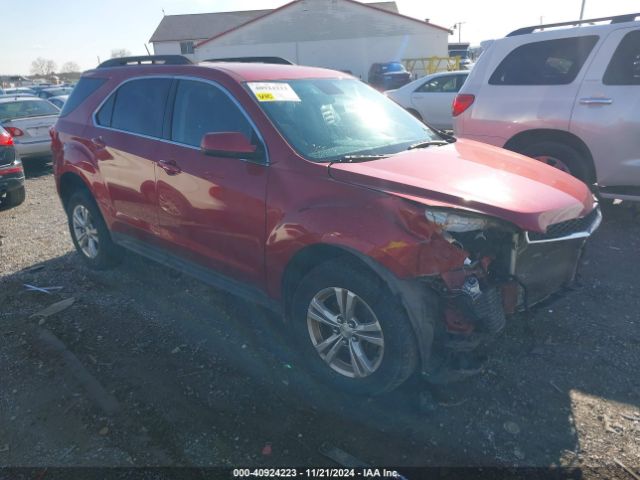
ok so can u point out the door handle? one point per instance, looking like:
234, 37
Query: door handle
98, 142
596, 101
170, 167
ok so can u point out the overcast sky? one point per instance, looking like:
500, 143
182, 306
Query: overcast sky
83, 30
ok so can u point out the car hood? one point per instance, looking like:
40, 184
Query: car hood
476, 177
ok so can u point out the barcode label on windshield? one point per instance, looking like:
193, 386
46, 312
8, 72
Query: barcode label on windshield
273, 92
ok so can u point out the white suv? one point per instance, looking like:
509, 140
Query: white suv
566, 96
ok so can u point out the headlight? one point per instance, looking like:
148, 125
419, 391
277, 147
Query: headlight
456, 222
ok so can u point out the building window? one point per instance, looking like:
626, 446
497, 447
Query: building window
186, 48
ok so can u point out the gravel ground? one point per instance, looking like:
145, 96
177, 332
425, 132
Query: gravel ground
150, 367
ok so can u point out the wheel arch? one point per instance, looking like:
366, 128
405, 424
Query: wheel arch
69, 183
309, 257
415, 113
416, 298
529, 137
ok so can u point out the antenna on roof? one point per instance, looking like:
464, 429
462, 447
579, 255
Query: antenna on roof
163, 14
147, 49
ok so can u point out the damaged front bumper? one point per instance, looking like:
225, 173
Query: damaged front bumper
477, 299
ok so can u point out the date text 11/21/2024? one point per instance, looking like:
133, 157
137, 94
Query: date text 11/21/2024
316, 473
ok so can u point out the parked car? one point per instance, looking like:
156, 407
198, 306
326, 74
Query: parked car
15, 95
385, 246
430, 98
465, 61
28, 119
12, 192
19, 90
568, 97
389, 75
40, 87
54, 92
59, 101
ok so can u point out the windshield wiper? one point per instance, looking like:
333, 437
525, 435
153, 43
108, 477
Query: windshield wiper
359, 158
430, 143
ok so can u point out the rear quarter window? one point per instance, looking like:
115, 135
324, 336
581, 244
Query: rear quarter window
84, 88
624, 68
549, 62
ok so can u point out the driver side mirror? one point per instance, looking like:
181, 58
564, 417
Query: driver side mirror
230, 145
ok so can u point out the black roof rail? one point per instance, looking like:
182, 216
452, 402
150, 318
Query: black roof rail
146, 60
275, 60
576, 23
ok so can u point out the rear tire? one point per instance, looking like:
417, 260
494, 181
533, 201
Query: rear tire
375, 350
89, 232
13, 198
561, 156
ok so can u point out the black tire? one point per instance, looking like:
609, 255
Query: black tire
13, 198
108, 253
573, 160
400, 355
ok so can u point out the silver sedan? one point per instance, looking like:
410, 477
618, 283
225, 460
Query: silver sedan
28, 120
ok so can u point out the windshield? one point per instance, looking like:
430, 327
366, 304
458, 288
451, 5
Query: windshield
327, 119
393, 67
24, 109
459, 53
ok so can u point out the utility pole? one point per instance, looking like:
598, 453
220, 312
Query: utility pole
458, 26
582, 9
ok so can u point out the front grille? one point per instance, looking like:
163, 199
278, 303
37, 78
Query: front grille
545, 268
570, 227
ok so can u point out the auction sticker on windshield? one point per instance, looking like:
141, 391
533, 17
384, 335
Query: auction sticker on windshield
273, 92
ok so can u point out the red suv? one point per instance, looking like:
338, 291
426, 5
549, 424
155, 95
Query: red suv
386, 246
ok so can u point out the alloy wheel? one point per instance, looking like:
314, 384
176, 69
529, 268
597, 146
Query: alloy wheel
85, 231
345, 332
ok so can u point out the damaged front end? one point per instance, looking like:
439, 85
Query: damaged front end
505, 270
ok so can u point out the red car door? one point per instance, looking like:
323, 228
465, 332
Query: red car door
125, 143
211, 210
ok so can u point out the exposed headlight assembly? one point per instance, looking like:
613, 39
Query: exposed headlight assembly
458, 222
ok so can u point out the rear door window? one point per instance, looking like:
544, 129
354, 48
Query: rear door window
624, 68
444, 84
139, 107
550, 62
203, 108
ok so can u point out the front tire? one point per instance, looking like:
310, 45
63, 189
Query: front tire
89, 232
354, 334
